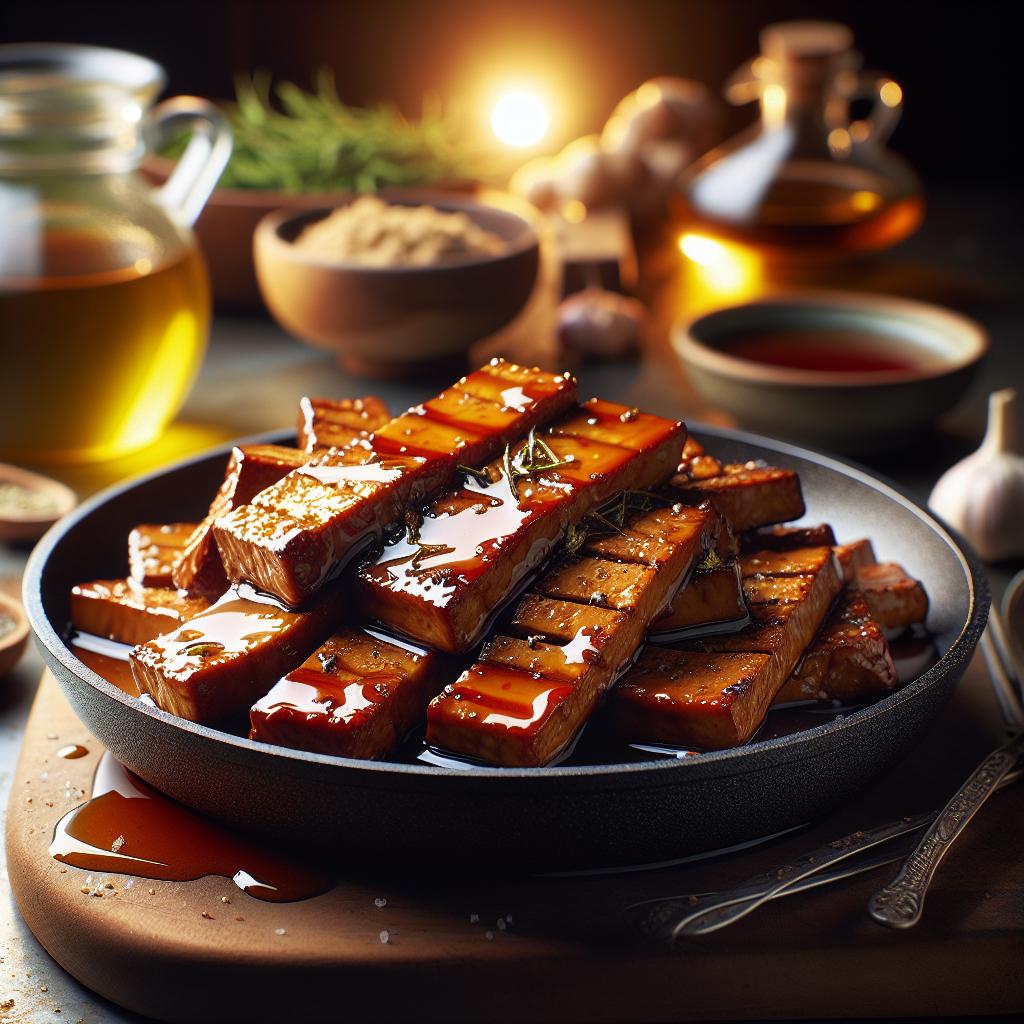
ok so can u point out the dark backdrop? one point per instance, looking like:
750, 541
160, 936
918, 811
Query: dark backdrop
954, 60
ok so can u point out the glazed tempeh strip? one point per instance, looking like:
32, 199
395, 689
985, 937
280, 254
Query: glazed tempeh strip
128, 612
442, 581
748, 495
788, 538
294, 535
848, 661
712, 602
220, 661
251, 469
531, 691
714, 692
357, 695
154, 550
894, 597
337, 423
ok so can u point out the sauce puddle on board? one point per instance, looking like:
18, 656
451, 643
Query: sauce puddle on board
130, 828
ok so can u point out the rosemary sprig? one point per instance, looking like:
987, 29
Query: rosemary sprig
478, 474
610, 518
534, 457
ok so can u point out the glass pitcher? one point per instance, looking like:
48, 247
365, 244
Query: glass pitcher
805, 181
104, 297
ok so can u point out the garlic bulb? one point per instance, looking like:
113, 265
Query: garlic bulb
601, 324
983, 496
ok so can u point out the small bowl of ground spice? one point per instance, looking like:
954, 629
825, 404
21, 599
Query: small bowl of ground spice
398, 284
13, 633
30, 504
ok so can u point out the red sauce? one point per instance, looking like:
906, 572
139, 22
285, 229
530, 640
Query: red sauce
830, 350
130, 828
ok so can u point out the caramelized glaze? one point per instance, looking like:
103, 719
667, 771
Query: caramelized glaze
526, 699
128, 612
329, 423
216, 664
250, 469
357, 695
472, 549
290, 539
154, 551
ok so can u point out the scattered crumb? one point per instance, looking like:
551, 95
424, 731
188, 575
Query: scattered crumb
116, 845
501, 924
280, 931
209, 917
474, 918
52, 736
489, 935
7, 1004
380, 902
224, 899
44, 988
239, 918
152, 892
385, 936
692, 900
108, 885
85, 890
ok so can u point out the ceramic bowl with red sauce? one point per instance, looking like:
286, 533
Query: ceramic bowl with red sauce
844, 371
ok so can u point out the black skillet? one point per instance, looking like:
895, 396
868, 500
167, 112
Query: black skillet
543, 818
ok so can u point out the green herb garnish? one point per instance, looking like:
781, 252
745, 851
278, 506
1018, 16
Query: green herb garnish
534, 457
290, 140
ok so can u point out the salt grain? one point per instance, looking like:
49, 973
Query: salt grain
380, 902
280, 931
385, 936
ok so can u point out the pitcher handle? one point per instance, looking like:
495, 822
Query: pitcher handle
887, 108
196, 173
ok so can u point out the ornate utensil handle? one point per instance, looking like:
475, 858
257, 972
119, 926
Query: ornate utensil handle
673, 918
900, 903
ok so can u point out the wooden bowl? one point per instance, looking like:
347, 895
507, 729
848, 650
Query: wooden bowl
28, 527
12, 645
399, 321
853, 412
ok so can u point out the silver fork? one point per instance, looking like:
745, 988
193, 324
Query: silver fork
900, 903
675, 917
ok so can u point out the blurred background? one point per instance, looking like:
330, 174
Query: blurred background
954, 62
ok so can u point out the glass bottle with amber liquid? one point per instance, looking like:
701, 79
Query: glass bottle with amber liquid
104, 297
805, 183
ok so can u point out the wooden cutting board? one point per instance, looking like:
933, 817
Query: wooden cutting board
452, 946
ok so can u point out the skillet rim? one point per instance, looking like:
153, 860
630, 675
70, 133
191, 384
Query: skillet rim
370, 773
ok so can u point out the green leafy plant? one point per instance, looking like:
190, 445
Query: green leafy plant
290, 140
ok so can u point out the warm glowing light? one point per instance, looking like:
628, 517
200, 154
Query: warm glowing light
519, 119
839, 141
721, 271
574, 211
891, 94
773, 105
859, 131
865, 202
